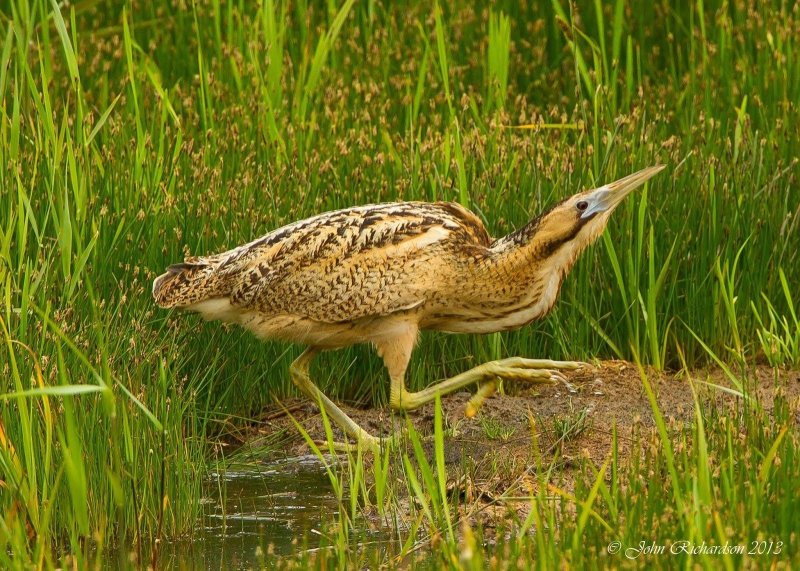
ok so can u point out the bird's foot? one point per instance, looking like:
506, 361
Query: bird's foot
484, 391
520, 369
523, 363
366, 443
516, 373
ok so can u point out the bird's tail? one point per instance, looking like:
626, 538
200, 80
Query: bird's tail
187, 283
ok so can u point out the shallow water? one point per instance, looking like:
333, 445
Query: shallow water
256, 513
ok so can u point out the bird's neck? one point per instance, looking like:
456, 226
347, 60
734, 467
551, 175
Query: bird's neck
536, 249
514, 283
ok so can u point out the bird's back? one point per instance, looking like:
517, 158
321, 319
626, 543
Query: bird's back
336, 267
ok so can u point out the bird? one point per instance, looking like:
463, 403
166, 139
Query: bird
379, 274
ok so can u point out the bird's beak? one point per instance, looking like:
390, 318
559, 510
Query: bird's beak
608, 196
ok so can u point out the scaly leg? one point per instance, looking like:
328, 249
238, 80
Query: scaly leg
513, 369
488, 388
485, 390
396, 353
300, 376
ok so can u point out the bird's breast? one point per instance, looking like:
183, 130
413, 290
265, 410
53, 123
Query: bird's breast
503, 309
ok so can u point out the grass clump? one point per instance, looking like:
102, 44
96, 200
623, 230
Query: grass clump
674, 494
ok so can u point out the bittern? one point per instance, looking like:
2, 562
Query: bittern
381, 273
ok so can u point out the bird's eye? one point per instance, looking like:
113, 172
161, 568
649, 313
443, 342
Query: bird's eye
582, 205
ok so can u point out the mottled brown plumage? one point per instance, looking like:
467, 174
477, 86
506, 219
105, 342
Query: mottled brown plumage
380, 273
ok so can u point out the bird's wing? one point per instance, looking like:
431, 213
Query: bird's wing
348, 264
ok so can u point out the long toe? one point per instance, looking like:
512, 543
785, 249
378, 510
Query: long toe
523, 374
525, 363
370, 444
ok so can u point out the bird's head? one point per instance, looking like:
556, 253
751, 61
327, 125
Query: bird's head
576, 222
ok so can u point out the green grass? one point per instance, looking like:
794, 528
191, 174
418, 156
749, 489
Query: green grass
133, 133
728, 478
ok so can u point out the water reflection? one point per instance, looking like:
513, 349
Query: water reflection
254, 513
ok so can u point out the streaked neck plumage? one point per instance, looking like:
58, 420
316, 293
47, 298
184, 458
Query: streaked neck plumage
545, 246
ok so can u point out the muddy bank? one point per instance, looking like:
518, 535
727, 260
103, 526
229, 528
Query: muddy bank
495, 453
593, 399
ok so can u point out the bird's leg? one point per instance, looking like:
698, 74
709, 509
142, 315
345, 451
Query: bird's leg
488, 388
300, 376
485, 390
514, 368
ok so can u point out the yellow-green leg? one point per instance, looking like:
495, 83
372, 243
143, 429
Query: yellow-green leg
513, 369
485, 390
300, 376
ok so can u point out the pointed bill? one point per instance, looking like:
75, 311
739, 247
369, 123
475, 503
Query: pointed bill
608, 196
